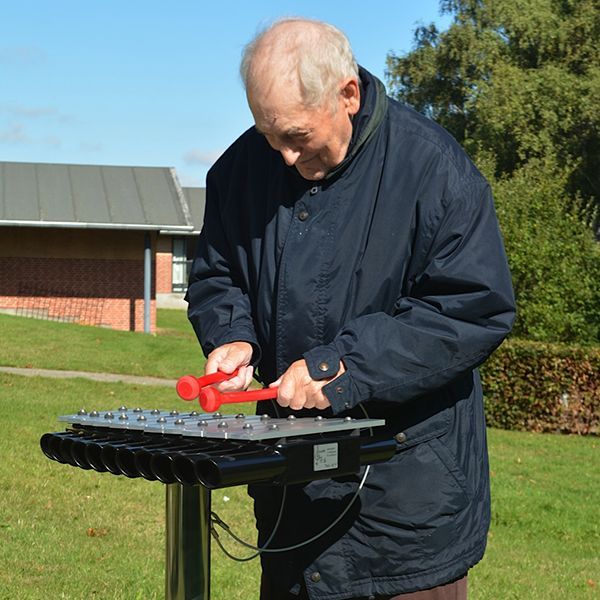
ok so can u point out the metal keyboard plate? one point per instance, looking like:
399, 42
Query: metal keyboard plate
215, 425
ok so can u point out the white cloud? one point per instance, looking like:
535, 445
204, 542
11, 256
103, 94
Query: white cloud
14, 134
35, 112
202, 157
188, 180
28, 111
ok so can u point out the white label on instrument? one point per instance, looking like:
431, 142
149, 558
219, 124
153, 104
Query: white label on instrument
325, 457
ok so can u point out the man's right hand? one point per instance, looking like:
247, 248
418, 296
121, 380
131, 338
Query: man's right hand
227, 358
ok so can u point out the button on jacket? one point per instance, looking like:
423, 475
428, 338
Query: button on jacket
393, 264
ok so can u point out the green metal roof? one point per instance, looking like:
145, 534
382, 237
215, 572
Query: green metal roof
196, 198
92, 196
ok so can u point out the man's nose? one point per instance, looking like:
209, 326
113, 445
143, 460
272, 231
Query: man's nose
290, 155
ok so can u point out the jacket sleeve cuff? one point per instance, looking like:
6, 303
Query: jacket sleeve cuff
341, 393
323, 362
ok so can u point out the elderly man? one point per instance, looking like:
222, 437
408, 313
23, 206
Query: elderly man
351, 254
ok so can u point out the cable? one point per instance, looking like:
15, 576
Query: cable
264, 549
216, 520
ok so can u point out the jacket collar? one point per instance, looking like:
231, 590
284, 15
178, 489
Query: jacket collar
373, 107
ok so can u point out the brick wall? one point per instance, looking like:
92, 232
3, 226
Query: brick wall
88, 277
164, 265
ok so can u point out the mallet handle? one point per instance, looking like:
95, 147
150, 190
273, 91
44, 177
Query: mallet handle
211, 399
188, 387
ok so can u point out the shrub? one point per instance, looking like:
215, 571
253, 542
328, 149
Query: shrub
543, 387
554, 259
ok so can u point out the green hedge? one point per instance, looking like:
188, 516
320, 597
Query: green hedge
532, 386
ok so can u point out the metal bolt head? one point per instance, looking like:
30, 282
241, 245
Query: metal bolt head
318, 418
273, 426
347, 419
316, 577
137, 410
202, 423
94, 413
141, 418
179, 422
400, 437
82, 412
217, 415
194, 413
240, 416
123, 417
264, 417
174, 413
324, 366
161, 420
291, 417
122, 409
247, 426
155, 411
109, 415
223, 425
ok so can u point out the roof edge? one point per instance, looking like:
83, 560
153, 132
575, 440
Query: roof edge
187, 213
79, 225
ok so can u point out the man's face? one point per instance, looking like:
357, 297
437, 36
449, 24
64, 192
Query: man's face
314, 140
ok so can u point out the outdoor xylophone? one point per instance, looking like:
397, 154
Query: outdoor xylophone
194, 453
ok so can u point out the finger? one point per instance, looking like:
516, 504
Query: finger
285, 393
299, 398
315, 398
235, 384
213, 361
248, 374
231, 385
322, 403
310, 402
230, 362
237, 356
229, 357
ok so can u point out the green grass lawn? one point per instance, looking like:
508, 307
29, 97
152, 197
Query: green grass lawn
73, 534
69, 533
545, 536
49, 345
544, 541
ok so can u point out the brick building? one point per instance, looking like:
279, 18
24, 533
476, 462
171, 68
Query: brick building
175, 252
91, 244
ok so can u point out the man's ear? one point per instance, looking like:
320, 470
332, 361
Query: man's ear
351, 95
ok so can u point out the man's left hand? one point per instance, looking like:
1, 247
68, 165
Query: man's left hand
297, 389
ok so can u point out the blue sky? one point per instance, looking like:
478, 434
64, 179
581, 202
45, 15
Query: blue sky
155, 83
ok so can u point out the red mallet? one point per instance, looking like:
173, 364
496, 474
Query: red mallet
211, 399
188, 387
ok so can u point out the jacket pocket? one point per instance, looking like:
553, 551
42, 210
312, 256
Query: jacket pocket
445, 456
409, 507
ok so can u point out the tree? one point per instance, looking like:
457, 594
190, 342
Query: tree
518, 79
554, 259
517, 82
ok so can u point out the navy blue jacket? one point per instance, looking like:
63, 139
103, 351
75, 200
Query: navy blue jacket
394, 264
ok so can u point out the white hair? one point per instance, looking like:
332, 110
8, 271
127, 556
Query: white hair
315, 54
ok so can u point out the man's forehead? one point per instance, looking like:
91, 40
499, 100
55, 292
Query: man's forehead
283, 126
290, 118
